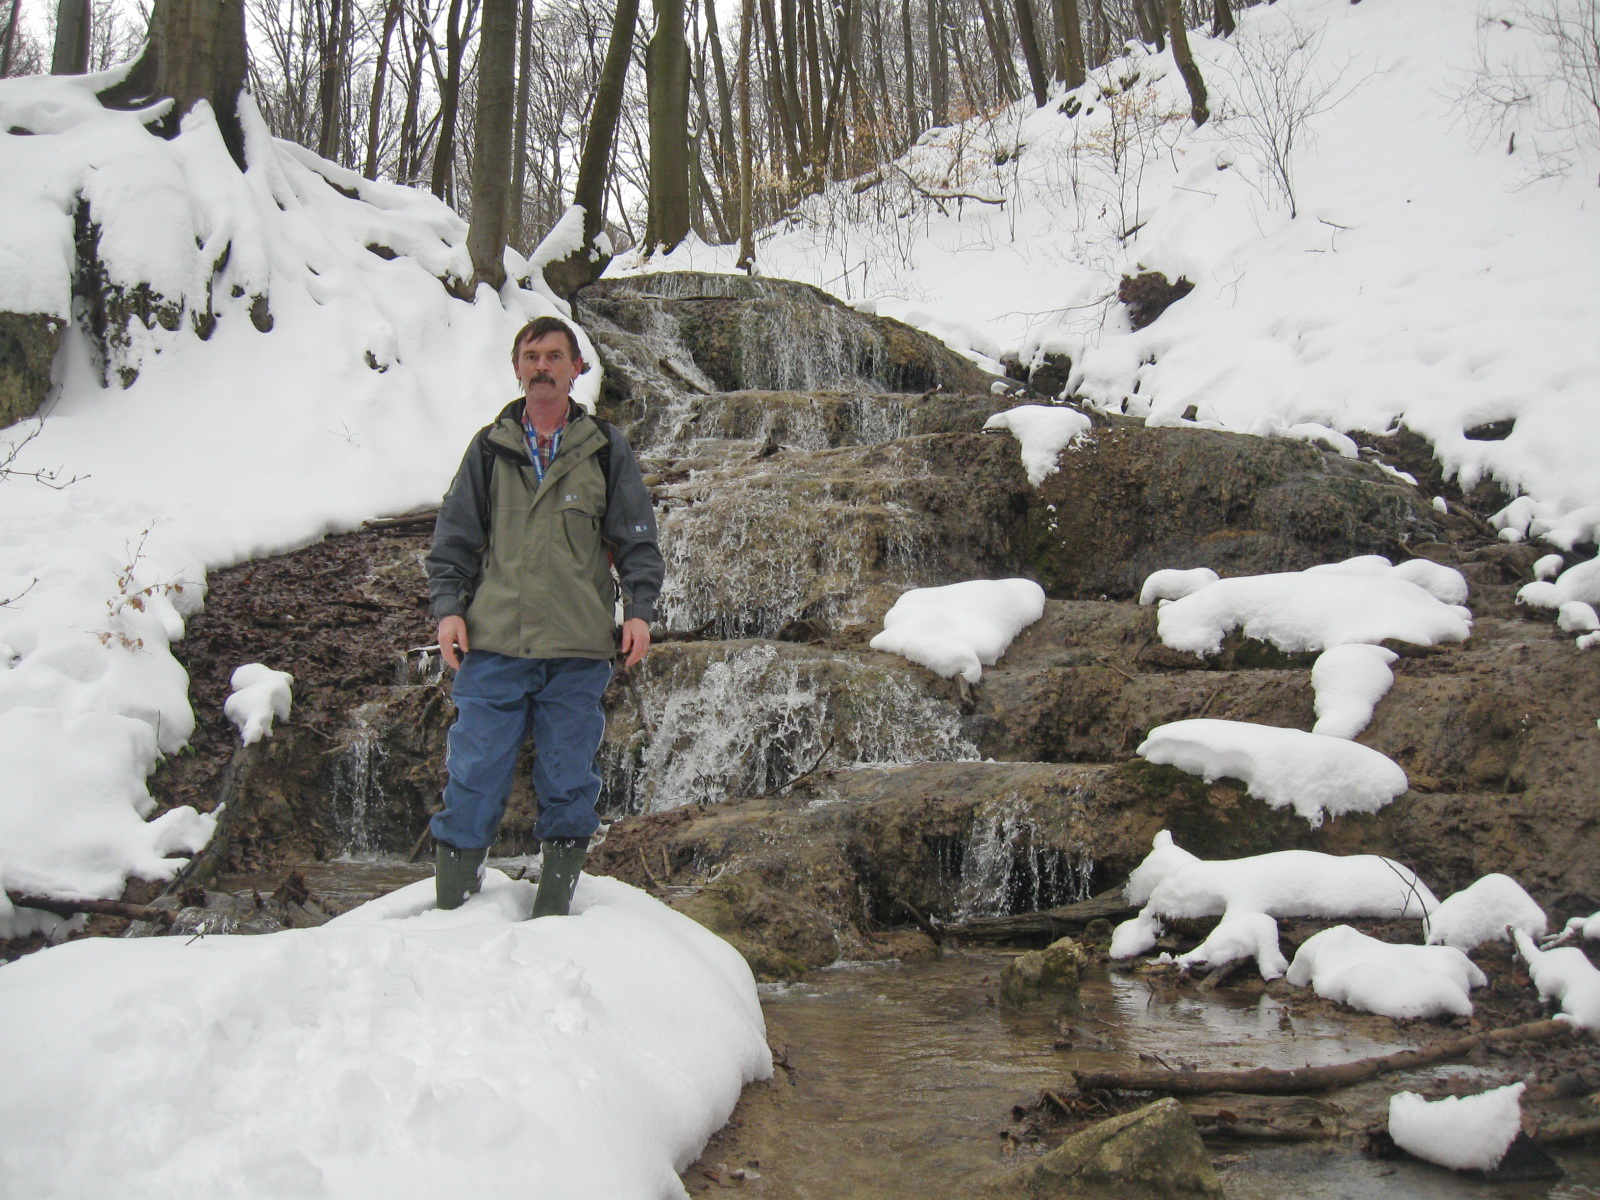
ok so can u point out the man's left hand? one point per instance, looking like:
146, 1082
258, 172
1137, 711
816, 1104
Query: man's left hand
635, 640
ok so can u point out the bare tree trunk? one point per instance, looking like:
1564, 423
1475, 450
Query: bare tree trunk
519, 139
329, 76
913, 115
10, 39
747, 242
788, 122
1222, 24
667, 82
1151, 22
410, 151
194, 50
491, 145
938, 65
443, 181
1099, 50
1186, 65
728, 142
74, 19
1069, 43
380, 74
1005, 71
585, 264
1029, 38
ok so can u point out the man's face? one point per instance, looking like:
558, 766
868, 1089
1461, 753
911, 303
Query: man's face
546, 367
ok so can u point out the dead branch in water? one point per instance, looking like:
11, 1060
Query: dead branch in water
1273, 1081
1051, 923
98, 908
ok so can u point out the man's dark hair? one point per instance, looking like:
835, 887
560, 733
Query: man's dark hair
537, 328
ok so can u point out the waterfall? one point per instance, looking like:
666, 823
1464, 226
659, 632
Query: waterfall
756, 718
357, 789
1007, 866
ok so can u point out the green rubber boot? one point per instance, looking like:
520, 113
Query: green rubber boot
457, 874
562, 863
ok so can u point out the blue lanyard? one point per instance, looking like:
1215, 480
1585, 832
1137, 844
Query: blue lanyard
540, 466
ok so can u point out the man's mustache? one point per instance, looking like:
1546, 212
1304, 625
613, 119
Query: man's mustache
541, 378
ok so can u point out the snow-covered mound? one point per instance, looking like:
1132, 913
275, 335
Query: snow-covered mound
1434, 269
1360, 600
1313, 773
1042, 433
396, 1052
1349, 681
1249, 894
1484, 911
1564, 976
1465, 1133
357, 403
1404, 982
960, 628
259, 696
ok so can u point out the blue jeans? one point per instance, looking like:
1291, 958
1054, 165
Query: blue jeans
500, 700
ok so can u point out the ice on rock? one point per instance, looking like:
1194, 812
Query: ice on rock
1404, 982
1042, 432
1482, 912
1174, 584
1287, 883
960, 628
1574, 616
1464, 1133
1360, 600
1564, 976
397, 1051
1348, 682
1313, 773
260, 695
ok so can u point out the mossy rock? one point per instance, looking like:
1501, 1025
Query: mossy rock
28, 345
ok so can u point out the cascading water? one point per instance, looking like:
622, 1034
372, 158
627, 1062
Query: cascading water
356, 774
754, 719
1007, 867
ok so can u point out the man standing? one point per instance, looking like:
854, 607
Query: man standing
547, 499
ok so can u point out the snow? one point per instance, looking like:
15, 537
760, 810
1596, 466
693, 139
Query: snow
1465, 1133
259, 694
355, 405
1349, 681
1548, 567
1315, 774
1173, 584
960, 628
1574, 616
1483, 911
396, 1052
1042, 432
1565, 976
1583, 927
1171, 882
1581, 583
1429, 279
1359, 600
1404, 982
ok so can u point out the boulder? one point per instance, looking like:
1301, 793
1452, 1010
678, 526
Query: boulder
28, 344
1045, 978
1154, 1153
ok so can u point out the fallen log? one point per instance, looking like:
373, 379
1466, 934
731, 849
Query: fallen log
1051, 923
100, 908
416, 520
1554, 1133
1276, 1081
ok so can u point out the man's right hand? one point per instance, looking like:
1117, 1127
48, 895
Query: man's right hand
453, 641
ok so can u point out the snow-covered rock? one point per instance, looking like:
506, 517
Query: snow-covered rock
1174, 584
1484, 911
1464, 1133
1564, 976
1349, 681
1042, 432
260, 695
1405, 982
960, 628
1315, 774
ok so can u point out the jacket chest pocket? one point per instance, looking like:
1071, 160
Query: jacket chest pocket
580, 523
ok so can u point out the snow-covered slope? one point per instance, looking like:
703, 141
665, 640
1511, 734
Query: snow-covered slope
355, 404
1427, 275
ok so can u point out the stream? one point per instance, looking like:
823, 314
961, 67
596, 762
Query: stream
898, 1079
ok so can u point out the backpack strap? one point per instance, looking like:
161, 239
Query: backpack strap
489, 454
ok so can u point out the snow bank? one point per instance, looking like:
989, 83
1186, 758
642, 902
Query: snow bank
961, 628
1313, 773
396, 1052
1464, 1133
260, 694
357, 403
1566, 977
1574, 616
1361, 600
1042, 432
1482, 912
1349, 681
1580, 583
1171, 882
1404, 982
